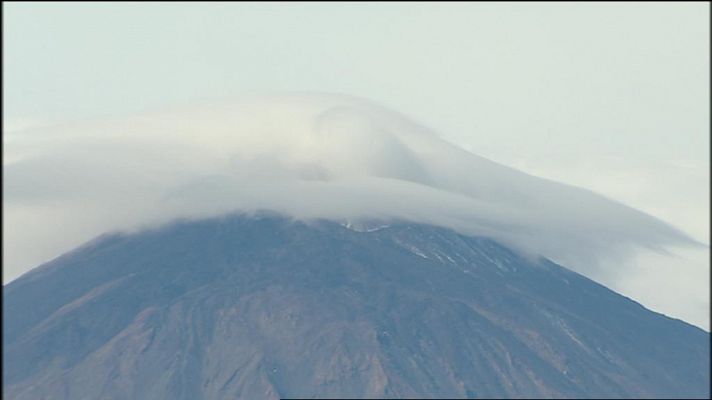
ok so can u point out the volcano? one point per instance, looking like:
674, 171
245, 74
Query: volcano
265, 306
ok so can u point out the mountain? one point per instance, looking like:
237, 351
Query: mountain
263, 306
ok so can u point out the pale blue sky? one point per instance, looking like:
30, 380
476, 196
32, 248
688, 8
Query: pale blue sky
602, 76
612, 97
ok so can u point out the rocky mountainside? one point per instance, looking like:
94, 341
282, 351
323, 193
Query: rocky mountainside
264, 307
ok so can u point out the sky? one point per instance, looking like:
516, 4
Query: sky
608, 97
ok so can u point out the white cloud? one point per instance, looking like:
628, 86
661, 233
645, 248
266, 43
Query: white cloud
306, 155
671, 189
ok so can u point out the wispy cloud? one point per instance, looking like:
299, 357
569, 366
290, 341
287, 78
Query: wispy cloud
305, 155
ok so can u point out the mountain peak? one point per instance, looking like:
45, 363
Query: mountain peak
266, 306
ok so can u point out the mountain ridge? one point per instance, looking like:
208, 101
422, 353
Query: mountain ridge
265, 306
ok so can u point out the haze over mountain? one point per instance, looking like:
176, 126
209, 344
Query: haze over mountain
262, 306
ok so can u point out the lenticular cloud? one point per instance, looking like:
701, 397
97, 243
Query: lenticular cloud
305, 155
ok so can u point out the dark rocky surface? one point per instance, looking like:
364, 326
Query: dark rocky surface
262, 307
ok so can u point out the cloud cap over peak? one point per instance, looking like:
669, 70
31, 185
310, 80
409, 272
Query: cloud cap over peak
304, 155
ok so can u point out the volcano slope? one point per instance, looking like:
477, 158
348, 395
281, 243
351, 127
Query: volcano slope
262, 306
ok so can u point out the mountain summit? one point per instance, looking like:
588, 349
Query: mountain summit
264, 306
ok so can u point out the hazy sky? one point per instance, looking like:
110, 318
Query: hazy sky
611, 97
